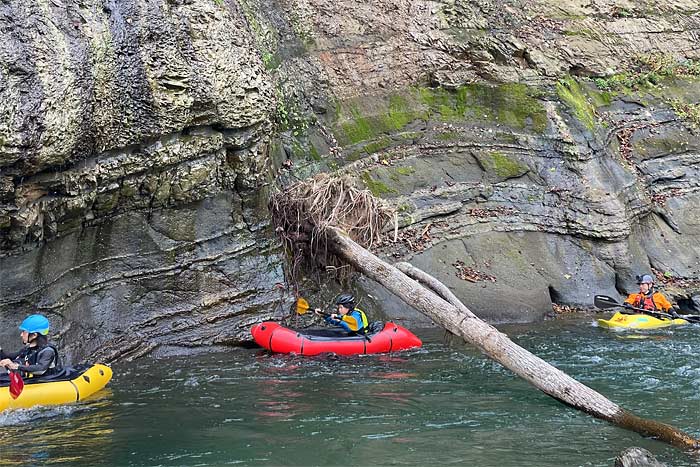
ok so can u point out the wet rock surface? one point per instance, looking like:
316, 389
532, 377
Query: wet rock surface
139, 139
637, 457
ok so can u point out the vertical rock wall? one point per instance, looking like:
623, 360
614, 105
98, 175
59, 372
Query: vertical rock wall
134, 168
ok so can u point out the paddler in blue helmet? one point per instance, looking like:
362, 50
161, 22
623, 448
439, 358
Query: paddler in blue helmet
38, 357
352, 319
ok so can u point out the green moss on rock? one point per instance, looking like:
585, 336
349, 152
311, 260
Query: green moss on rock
514, 105
409, 135
449, 136
377, 145
399, 114
387, 118
502, 165
409, 170
358, 128
570, 92
377, 187
401, 172
405, 208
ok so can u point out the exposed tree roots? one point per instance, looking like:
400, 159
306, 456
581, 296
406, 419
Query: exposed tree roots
302, 212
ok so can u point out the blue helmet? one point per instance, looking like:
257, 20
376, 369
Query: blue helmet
35, 323
645, 279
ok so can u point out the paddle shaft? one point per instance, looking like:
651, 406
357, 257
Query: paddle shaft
689, 318
303, 306
649, 312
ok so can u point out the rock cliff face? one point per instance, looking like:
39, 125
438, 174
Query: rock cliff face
134, 158
535, 152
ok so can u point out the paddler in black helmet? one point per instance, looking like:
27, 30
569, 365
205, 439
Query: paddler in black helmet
352, 319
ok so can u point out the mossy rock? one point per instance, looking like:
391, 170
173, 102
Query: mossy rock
501, 165
367, 124
371, 118
514, 105
377, 145
410, 135
376, 185
571, 93
396, 172
449, 136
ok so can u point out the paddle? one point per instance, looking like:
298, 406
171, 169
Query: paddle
603, 301
16, 383
303, 307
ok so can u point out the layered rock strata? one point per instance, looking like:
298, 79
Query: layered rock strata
535, 152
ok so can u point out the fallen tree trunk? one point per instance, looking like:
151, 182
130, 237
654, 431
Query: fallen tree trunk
308, 215
496, 345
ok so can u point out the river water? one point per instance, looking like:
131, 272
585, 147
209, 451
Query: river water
439, 405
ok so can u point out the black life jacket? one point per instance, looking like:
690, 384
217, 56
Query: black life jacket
30, 356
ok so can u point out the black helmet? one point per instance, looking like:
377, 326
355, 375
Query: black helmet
347, 300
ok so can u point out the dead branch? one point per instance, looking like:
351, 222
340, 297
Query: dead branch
434, 285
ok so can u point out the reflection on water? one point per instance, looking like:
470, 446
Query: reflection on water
278, 398
60, 434
441, 404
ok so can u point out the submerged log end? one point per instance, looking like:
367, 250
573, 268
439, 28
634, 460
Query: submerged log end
656, 430
627, 420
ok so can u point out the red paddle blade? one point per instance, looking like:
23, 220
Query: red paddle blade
16, 384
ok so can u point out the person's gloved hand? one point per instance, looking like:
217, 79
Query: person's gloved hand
674, 311
9, 364
628, 306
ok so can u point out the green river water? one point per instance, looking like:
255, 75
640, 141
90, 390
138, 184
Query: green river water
442, 404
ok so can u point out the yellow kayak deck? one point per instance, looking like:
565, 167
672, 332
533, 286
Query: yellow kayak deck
638, 321
58, 392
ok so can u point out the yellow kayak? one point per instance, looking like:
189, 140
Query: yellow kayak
640, 321
58, 392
